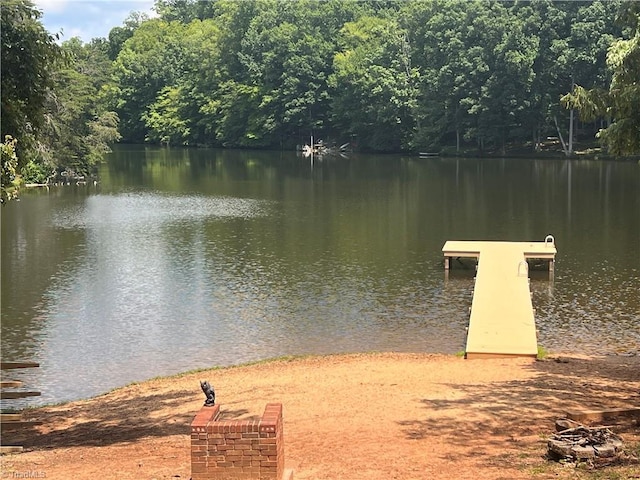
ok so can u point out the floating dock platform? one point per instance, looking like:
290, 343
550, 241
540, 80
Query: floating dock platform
502, 322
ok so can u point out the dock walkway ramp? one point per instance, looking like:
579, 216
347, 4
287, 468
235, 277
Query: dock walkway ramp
502, 320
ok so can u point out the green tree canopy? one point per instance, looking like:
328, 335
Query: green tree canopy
29, 57
620, 103
393, 75
374, 83
54, 113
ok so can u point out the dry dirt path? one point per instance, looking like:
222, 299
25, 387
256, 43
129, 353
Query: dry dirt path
365, 416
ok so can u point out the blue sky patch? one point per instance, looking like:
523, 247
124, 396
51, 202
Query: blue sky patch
88, 19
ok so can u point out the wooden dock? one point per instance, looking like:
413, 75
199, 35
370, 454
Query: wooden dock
14, 421
502, 322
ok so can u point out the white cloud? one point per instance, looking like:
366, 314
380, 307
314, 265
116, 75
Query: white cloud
51, 5
88, 19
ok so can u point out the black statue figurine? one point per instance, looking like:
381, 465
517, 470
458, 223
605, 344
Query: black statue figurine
209, 393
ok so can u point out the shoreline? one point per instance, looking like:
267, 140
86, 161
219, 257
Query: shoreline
543, 355
251, 363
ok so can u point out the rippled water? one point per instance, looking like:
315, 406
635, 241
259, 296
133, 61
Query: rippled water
180, 259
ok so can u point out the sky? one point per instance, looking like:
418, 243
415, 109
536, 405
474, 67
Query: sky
88, 19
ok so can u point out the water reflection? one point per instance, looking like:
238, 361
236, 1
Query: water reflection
181, 259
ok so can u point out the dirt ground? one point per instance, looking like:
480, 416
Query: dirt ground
369, 416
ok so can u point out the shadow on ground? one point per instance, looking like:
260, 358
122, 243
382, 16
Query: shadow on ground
121, 420
124, 418
508, 415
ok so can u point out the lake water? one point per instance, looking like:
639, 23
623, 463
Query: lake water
181, 259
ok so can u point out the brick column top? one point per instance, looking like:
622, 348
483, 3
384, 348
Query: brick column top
238, 449
204, 417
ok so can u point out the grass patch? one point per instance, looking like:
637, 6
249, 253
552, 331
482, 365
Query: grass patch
542, 353
541, 469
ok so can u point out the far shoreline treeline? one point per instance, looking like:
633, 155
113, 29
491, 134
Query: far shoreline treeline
445, 76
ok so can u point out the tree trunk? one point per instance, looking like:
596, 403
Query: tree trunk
536, 139
571, 115
564, 145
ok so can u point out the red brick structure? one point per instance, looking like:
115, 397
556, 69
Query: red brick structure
238, 449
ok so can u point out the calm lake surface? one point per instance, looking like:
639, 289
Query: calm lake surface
180, 259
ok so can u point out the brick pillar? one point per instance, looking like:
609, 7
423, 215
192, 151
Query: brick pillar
237, 449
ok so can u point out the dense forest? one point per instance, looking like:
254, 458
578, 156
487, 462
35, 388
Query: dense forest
387, 76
